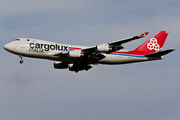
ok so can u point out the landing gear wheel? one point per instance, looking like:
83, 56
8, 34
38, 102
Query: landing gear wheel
21, 61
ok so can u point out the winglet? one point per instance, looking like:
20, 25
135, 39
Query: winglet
144, 34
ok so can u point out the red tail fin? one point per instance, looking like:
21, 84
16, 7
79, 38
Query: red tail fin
154, 44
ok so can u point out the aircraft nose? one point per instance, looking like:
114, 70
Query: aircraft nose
9, 47
5, 46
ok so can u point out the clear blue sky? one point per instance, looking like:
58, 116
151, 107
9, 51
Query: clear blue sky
140, 91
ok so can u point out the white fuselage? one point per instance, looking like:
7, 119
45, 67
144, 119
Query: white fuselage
45, 50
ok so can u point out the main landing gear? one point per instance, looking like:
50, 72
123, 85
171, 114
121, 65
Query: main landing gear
21, 61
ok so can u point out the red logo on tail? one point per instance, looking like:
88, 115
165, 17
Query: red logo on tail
153, 45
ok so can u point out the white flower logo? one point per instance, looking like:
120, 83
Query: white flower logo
153, 45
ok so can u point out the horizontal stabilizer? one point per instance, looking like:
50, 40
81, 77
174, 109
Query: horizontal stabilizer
160, 53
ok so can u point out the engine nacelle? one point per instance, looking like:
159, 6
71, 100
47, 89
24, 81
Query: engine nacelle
79, 67
60, 65
75, 68
103, 48
75, 54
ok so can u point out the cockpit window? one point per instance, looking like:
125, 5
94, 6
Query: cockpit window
17, 39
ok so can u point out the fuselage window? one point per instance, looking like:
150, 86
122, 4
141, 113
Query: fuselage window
17, 39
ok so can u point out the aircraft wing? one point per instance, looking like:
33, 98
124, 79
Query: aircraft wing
112, 46
93, 53
58, 53
119, 42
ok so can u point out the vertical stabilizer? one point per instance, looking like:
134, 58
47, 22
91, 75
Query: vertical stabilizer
154, 44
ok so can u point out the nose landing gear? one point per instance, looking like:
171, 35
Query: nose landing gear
21, 61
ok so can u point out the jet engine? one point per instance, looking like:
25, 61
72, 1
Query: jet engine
60, 65
75, 54
103, 48
79, 67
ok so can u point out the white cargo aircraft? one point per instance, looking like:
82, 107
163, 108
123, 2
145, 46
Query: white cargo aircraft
83, 57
